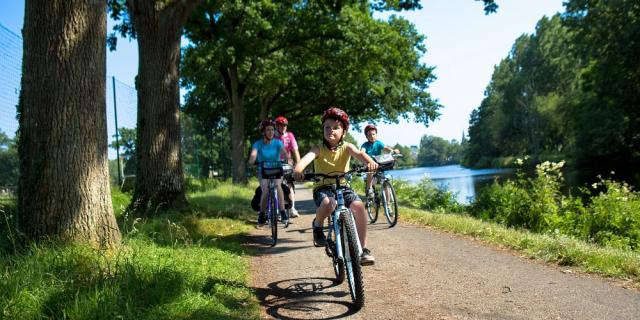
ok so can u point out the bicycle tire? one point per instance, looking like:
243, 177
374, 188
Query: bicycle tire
273, 218
390, 203
352, 259
372, 207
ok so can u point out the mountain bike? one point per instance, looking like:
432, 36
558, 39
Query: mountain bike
272, 170
343, 245
386, 195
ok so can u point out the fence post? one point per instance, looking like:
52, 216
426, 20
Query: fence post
115, 116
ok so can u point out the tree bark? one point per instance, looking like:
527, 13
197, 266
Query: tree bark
159, 175
63, 189
235, 90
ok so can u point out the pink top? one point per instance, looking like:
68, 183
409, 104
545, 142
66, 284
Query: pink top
290, 144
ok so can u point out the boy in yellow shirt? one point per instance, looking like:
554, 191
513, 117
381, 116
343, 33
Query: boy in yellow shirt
333, 156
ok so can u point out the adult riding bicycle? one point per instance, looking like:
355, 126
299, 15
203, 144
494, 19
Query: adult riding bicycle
386, 195
343, 245
272, 170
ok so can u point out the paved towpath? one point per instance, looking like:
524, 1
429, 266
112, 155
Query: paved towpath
422, 273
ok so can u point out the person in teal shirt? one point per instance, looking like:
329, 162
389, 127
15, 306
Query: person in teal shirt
268, 150
373, 147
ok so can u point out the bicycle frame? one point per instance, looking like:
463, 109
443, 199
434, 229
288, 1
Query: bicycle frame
273, 205
334, 223
273, 194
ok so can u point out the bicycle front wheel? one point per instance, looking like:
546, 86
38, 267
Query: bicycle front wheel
389, 203
352, 259
273, 218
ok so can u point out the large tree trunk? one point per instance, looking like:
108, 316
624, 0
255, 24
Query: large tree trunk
235, 90
159, 176
63, 190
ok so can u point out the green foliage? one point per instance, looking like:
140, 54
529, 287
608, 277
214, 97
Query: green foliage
173, 266
435, 151
8, 161
127, 142
120, 201
568, 91
426, 195
407, 160
205, 143
610, 218
193, 184
297, 61
614, 218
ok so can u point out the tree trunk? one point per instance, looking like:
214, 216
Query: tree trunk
159, 175
235, 91
63, 190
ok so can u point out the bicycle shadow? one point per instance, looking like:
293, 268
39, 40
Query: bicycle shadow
304, 298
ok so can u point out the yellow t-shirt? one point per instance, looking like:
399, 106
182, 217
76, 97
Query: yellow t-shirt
330, 162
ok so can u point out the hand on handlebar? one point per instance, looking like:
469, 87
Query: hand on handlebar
299, 176
372, 166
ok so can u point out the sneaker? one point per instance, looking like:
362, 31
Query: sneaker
262, 218
284, 217
319, 240
367, 259
294, 213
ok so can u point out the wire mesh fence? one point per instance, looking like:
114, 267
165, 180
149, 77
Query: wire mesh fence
121, 99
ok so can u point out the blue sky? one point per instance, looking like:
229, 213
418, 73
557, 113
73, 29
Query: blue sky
462, 43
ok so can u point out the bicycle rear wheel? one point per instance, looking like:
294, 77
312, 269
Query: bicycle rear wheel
388, 195
352, 259
372, 207
273, 217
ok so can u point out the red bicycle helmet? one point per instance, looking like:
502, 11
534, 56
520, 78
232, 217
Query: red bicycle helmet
282, 120
370, 127
266, 123
337, 114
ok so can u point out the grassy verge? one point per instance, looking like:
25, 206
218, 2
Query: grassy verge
565, 251
179, 265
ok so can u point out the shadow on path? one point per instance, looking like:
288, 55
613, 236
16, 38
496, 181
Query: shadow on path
304, 298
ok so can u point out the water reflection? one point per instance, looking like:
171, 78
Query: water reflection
462, 181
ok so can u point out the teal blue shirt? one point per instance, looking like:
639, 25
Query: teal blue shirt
373, 149
268, 152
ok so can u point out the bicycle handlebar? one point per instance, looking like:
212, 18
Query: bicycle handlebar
312, 176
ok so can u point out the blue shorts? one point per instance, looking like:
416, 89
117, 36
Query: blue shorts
325, 192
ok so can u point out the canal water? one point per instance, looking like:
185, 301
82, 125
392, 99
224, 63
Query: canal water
464, 182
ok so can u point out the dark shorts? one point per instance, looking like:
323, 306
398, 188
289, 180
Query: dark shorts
325, 192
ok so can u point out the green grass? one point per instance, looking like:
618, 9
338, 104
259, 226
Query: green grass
562, 250
179, 265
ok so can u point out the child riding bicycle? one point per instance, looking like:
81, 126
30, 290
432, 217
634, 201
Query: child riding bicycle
332, 157
373, 147
268, 150
291, 146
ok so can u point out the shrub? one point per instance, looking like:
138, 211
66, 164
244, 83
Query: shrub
611, 218
426, 195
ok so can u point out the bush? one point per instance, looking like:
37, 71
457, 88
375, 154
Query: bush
426, 195
194, 184
614, 218
611, 218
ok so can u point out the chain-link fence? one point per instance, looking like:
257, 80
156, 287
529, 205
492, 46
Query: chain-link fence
121, 102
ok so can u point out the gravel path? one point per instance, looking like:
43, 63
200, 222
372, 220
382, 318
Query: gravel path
421, 273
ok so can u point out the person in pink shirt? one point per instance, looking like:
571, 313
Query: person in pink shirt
291, 146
